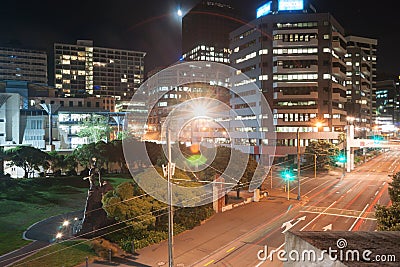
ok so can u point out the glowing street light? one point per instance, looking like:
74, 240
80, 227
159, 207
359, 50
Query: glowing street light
59, 235
179, 12
199, 111
65, 223
319, 124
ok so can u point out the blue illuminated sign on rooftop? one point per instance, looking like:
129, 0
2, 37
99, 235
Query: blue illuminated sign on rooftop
264, 9
288, 5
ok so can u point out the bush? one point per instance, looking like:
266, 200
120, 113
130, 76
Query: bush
71, 173
101, 247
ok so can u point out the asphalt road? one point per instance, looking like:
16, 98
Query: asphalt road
328, 203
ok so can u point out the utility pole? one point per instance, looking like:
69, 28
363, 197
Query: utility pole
288, 189
315, 165
298, 163
170, 207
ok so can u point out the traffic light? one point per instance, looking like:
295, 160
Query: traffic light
341, 158
377, 139
287, 175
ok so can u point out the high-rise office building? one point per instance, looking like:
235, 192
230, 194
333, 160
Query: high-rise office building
296, 57
23, 65
205, 31
387, 103
361, 79
85, 70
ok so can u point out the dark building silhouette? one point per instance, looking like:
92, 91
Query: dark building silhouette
205, 31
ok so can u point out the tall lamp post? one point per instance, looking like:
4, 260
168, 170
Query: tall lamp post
50, 109
169, 171
349, 135
298, 163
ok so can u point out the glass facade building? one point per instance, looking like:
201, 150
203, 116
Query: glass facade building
23, 65
85, 70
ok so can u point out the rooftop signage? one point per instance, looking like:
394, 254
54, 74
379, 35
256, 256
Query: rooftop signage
289, 5
264, 9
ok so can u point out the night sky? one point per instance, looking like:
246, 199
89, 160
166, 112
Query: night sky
153, 26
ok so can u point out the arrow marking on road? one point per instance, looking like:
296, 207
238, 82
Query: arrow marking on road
328, 227
288, 225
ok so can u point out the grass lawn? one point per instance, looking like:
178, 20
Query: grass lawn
67, 254
24, 202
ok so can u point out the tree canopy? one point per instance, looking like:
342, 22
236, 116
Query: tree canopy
326, 153
95, 128
388, 218
28, 158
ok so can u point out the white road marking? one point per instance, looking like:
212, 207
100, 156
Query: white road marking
318, 216
359, 216
334, 214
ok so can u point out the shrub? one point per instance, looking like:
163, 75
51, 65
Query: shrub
101, 247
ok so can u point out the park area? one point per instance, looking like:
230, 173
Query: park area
26, 201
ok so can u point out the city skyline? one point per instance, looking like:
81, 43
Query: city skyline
139, 26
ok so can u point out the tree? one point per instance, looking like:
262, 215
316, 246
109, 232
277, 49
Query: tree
95, 128
394, 189
326, 153
117, 154
62, 163
28, 158
85, 153
136, 212
237, 173
388, 218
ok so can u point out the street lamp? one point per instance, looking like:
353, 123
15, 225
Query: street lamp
298, 163
169, 172
50, 109
179, 12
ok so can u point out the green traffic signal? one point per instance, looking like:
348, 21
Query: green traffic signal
342, 158
287, 175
